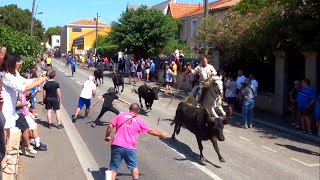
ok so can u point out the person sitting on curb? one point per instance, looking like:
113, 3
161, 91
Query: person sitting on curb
88, 92
128, 127
108, 98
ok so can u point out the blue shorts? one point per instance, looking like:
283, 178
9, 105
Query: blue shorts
139, 74
83, 101
118, 154
174, 78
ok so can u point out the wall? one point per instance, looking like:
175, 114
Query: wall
186, 29
74, 35
55, 40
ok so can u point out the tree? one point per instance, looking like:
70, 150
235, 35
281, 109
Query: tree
143, 32
20, 43
254, 28
105, 46
19, 19
52, 31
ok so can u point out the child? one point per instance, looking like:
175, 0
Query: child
32, 95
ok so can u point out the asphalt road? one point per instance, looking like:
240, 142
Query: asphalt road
257, 153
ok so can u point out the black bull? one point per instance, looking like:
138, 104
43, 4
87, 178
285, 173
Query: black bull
203, 126
98, 75
149, 94
117, 79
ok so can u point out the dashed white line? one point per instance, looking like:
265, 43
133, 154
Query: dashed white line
79, 83
72, 78
227, 131
66, 74
172, 108
269, 149
244, 138
202, 168
306, 164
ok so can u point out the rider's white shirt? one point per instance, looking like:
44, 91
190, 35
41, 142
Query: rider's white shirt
205, 72
88, 87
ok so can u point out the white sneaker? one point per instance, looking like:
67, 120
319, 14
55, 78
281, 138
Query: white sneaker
31, 150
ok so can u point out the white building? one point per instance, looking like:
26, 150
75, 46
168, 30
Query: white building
55, 41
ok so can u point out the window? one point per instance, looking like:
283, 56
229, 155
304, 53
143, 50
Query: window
76, 30
193, 28
57, 41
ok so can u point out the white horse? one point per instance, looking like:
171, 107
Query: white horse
211, 98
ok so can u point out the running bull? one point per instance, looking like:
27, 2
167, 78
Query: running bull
201, 124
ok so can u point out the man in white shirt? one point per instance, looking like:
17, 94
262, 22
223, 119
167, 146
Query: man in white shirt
88, 92
205, 71
177, 53
255, 84
240, 79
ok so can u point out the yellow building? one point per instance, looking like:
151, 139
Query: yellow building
83, 43
82, 28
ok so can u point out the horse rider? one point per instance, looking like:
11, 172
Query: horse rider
205, 71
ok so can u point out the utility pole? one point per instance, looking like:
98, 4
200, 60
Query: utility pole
206, 13
97, 19
32, 19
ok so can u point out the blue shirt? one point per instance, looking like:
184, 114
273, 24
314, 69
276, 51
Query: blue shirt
169, 76
33, 92
305, 96
152, 67
69, 59
318, 107
132, 68
73, 64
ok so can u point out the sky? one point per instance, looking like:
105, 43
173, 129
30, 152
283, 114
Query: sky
62, 12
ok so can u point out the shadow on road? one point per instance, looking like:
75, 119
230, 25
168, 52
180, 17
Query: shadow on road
186, 151
297, 149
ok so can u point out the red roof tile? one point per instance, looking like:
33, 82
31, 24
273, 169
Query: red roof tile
87, 22
180, 10
214, 5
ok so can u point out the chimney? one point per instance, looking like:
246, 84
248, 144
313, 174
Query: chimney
173, 2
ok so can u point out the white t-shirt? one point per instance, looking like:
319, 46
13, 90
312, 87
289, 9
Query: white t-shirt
255, 84
88, 87
240, 80
177, 53
205, 72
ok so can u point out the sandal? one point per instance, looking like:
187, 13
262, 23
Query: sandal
8, 170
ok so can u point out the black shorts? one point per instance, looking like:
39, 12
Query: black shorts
169, 83
306, 112
22, 123
133, 74
52, 103
48, 65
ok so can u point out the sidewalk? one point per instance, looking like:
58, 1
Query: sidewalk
59, 162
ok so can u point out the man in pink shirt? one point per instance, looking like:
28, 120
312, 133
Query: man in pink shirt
128, 127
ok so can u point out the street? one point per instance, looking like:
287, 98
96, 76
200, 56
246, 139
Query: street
257, 153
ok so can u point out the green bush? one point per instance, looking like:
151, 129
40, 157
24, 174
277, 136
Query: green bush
20, 43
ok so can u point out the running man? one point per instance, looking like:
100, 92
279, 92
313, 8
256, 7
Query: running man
88, 92
108, 98
49, 62
73, 65
124, 142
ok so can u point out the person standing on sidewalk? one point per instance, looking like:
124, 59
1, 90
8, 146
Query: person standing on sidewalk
52, 98
231, 93
306, 102
139, 70
128, 127
247, 94
49, 62
295, 121
318, 113
88, 92
132, 72
152, 70
73, 65
168, 80
108, 98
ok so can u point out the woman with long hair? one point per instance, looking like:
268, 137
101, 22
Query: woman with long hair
13, 84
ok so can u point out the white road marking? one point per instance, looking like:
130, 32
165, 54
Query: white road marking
202, 168
172, 108
244, 138
269, 149
306, 164
79, 83
227, 131
86, 159
66, 73
162, 104
72, 78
